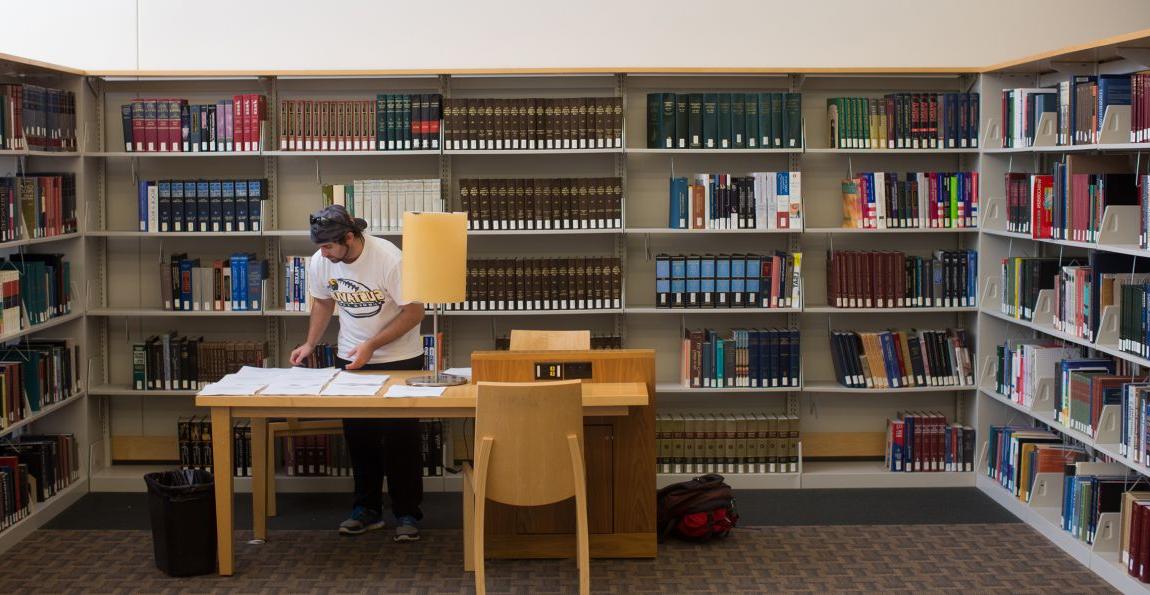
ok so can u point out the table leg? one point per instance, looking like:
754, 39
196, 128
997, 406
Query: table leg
222, 469
260, 478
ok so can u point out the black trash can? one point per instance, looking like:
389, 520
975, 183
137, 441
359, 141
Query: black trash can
182, 505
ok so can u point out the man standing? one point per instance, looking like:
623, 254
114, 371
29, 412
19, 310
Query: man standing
378, 330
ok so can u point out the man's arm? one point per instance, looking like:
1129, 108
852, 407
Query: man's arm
321, 311
409, 317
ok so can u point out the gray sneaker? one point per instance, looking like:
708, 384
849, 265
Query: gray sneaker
407, 529
362, 520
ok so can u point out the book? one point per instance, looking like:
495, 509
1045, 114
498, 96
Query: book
903, 121
524, 284
891, 279
235, 283
729, 443
173, 125
902, 359
728, 280
174, 362
923, 441
542, 203
534, 123
760, 200
175, 206
881, 200
37, 118
741, 358
724, 120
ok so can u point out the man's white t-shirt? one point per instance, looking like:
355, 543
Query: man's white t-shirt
367, 296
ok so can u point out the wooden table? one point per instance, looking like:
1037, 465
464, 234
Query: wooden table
599, 399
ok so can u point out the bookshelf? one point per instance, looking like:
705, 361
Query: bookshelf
119, 305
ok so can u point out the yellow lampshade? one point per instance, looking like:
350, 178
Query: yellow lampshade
435, 257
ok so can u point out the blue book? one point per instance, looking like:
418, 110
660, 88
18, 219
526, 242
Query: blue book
257, 193
754, 282
204, 212
794, 360
227, 195
720, 364
236, 262
754, 373
255, 274
179, 196
722, 281
677, 207
771, 362
164, 204
662, 281
142, 199
193, 209
1113, 89
694, 281
738, 280
230, 222
707, 280
678, 281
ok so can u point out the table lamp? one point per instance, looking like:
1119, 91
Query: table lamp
435, 272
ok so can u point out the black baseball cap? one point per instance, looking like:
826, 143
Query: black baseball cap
329, 224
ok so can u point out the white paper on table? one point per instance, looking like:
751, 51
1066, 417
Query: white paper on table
464, 372
350, 390
253, 373
309, 373
233, 387
353, 378
402, 390
293, 388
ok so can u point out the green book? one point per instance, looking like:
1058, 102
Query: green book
776, 120
389, 122
795, 120
139, 366
380, 122
724, 133
710, 120
695, 121
682, 106
654, 120
739, 120
751, 115
667, 123
764, 114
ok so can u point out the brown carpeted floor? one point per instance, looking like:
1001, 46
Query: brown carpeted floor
922, 558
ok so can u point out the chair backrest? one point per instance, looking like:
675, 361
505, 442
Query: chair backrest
522, 340
530, 460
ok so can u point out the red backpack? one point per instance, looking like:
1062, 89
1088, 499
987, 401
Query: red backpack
697, 510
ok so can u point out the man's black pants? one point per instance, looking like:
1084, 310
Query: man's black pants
386, 447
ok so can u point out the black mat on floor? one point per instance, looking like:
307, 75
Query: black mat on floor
441, 511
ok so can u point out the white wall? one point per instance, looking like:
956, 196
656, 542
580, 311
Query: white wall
366, 34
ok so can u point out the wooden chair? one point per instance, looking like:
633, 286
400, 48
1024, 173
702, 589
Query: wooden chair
522, 340
528, 452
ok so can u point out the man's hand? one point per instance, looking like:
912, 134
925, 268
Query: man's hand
360, 355
301, 353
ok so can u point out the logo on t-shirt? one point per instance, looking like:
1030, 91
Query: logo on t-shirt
357, 299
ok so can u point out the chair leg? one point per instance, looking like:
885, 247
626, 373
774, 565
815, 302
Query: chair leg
583, 554
468, 519
482, 459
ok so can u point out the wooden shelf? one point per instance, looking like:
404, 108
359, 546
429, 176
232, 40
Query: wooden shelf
1102, 148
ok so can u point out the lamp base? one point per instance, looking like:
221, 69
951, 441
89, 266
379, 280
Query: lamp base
437, 380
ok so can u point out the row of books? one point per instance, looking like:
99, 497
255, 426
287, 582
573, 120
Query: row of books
37, 118
36, 374
1134, 311
1079, 386
902, 359
322, 356
1134, 549
727, 443
1078, 106
532, 123
569, 283
903, 121
1069, 204
728, 280
194, 444
760, 200
297, 297
201, 205
542, 203
1081, 293
326, 455
11, 298
744, 358
503, 343
1092, 489
174, 125
382, 203
392, 122
871, 279
45, 288
174, 362
1023, 277
880, 200
1016, 454
924, 441
38, 206
33, 468
235, 283
724, 121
